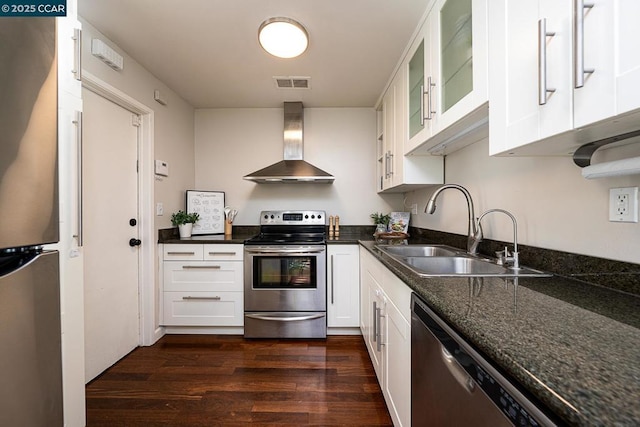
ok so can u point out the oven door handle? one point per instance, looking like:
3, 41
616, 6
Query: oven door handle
285, 251
285, 319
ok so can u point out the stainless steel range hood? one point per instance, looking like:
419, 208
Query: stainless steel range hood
293, 169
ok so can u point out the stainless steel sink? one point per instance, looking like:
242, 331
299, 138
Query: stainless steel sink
419, 250
451, 266
447, 261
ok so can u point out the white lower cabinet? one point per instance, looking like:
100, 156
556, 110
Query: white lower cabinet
385, 314
202, 285
343, 286
203, 308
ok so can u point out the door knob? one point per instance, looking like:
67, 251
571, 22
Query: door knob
135, 242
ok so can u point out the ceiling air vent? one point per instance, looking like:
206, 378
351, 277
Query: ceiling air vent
288, 82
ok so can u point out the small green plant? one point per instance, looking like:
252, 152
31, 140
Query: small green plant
379, 218
181, 217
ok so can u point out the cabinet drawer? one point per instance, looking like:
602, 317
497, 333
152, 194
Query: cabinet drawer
203, 309
183, 252
203, 276
223, 252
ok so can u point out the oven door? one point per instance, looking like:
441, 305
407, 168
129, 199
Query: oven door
285, 278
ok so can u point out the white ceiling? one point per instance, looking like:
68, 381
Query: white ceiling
208, 52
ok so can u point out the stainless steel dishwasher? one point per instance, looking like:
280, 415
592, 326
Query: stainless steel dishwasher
453, 385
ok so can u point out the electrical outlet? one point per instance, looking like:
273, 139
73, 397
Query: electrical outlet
414, 209
623, 204
159, 209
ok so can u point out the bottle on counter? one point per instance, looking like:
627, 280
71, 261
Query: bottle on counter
331, 224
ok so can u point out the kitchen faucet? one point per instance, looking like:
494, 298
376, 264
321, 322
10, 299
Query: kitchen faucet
502, 256
472, 231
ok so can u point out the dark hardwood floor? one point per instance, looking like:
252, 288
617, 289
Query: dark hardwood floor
213, 380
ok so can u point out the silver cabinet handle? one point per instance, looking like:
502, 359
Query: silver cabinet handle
386, 165
578, 42
79, 219
391, 168
422, 94
222, 253
378, 316
542, 61
77, 53
181, 253
430, 86
331, 279
284, 319
375, 322
189, 298
212, 267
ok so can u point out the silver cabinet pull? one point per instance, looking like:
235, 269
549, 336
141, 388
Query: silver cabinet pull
331, 279
77, 53
189, 298
422, 94
79, 219
378, 316
375, 322
386, 165
430, 86
181, 253
212, 267
543, 90
222, 253
578, 42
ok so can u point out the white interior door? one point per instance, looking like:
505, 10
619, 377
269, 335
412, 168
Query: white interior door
110, 215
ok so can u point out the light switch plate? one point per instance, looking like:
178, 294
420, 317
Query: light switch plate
623, 204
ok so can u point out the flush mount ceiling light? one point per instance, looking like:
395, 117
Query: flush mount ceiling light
283, 37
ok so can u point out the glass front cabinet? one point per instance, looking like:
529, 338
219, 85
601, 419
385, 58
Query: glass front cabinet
447, 77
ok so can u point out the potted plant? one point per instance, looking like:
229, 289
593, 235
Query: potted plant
185, 222
381, 221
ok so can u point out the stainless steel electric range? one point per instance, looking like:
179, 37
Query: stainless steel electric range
285, 282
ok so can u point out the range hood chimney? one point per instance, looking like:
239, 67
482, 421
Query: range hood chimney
293, 169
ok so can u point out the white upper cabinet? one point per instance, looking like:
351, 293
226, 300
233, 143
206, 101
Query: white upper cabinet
627, 55
560, 71
447, 78
398, 172
517, 63
69, 54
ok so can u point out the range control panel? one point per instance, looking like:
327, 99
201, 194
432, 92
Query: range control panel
292, 218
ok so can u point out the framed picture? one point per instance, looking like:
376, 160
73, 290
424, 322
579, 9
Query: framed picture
210, 206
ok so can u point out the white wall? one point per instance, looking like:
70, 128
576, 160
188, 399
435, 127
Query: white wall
555, 207
173, 123
231, 143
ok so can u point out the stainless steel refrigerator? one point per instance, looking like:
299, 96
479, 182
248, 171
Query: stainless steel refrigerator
30, 334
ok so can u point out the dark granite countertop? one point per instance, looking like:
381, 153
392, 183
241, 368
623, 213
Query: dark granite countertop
209, 238
572, 345
239, 235
348, 235
352, 238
